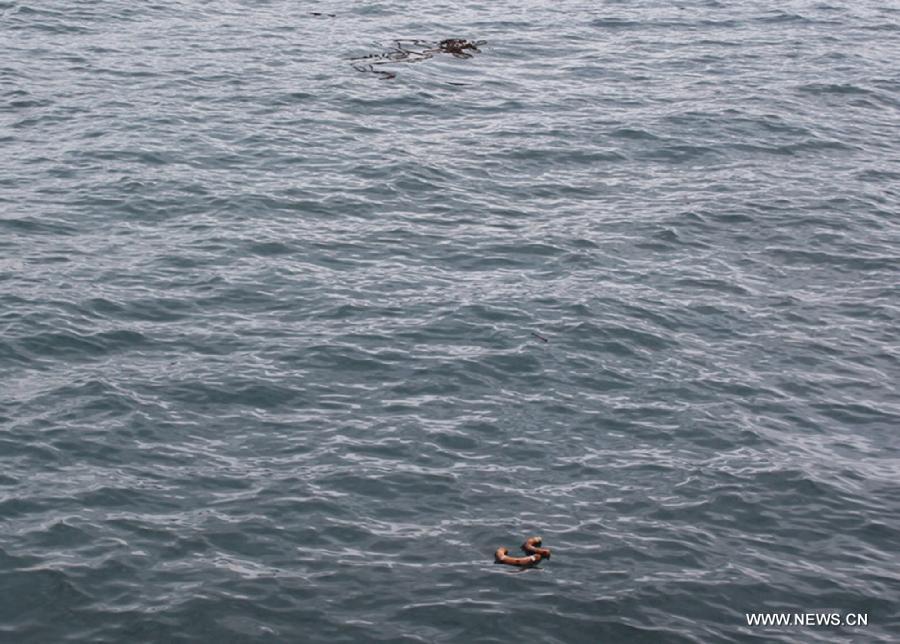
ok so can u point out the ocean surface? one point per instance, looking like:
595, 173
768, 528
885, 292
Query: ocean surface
304, 314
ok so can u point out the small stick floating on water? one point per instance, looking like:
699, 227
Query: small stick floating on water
540, 337
502, 557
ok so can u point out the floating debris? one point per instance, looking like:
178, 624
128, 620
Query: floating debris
532, 546
536, 554
414, 51
502, 557
458, 47
540, 337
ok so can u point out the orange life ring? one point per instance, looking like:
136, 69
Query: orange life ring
502, 557
532, 547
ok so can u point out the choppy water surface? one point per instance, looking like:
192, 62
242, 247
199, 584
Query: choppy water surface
266, 351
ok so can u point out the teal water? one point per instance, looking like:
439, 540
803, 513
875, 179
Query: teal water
267, 371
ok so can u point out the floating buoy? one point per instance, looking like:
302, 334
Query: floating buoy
532, 547
502, 557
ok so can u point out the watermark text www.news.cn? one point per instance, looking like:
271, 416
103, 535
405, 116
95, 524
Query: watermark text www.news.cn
807, 619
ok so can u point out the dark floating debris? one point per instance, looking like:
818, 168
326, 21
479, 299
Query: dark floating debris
414, 51
317, 13
536, 554
540, 337
458, 47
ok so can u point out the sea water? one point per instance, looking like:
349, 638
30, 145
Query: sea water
302, 317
